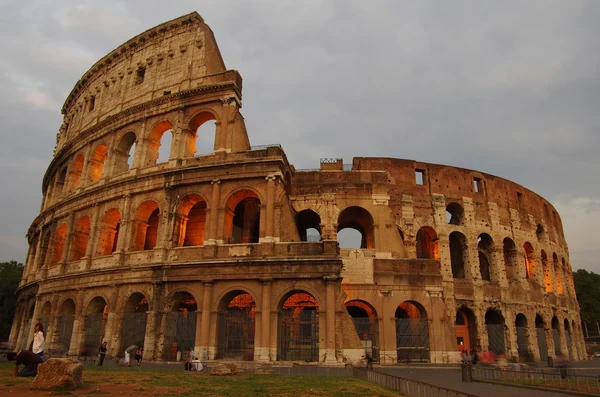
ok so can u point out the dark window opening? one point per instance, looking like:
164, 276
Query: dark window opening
520, 199
420, 177
246, 221
485, 248
92, 103
140, 74
458, 254
167, 92
477, 186
454, 214
308, 223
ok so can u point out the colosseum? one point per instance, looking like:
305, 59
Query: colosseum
228, 250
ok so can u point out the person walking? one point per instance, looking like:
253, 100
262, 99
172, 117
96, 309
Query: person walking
38, 340
102, 352
139, 354
131, 349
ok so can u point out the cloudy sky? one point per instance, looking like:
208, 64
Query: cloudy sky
510, 88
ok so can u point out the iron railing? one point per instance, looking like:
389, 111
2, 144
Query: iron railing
552, 378
408, 387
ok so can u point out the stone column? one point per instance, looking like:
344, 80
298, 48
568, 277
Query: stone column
91, 246
204, 331
67, 245
78, 325
330, 315
160, 341
124, 228
270, 218
214, 214
111, 320
266, 321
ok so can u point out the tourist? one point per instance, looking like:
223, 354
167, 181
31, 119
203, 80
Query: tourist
128, 351
38, 340
139, 354
102, 353
28, 359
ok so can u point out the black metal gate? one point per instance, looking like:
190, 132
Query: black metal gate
368, 331
298, 337
180, 334
24, 345
94, 331
236, 334
65, 331
133, 330
568, 341
556, 338
543, 346
412, 339
496, 338
522, 342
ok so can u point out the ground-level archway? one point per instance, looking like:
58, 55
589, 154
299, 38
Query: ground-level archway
96, 315
522, 337
494, 322
556, 337
366, 324
466, 330
180, 327
412, 332
298, 328
64, 327
236, 326
133, 329
541, 337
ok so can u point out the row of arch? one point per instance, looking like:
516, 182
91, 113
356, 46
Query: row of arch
134, 150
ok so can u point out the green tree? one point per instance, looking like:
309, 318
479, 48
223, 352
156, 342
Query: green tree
10, 275
587, 287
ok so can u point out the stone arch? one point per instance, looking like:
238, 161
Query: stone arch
190, 224
64, 326
459, 254
541, 337
61, 180
485, 249
466, 329
366, 323
530, 260
427, 243
80, 238
454, 213
60, 239
236, 325
109, 232
540, 232
199, 133
308, 223
124, 153
298, 326
494, 321
180, 329
412, 332
556, 336
361, 220
145, 226
94, 325
97, 162
509, 249
242, 217
522, 337
154, 141
44, 316
133, 326
76, 170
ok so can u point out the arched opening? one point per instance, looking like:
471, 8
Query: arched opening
201, 140
64, 327
540, 232
242, 222
195, 226
559, 275
541, 337
44, 318
466, 330
556, 337
28, 313
133, 327
96, 316
124, 153
80, 238
308, 223
427, 243
522, 337
459, 257
298, 328
568, 341
494, 322
366, 324
158, 144
485, 248
412, 332
509, 250
530, 263
565, 276
548, 279
236, 326
59, 243
59, 189
360, 220
145, 226
96, 165
180, 329
76, 170
454, 214
109, 232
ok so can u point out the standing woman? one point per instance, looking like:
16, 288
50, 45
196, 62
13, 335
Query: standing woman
38, 340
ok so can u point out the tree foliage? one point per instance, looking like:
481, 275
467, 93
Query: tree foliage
587, 287
10, 275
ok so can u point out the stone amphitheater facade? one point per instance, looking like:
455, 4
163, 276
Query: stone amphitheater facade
234, 252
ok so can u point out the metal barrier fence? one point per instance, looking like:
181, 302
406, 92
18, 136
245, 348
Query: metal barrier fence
408, 387
311, 370
554, 378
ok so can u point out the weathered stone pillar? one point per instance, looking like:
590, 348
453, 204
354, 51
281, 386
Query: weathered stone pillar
67, 246
265, 321
213, 220
91, 246
111, 323
330, 315
124, 229
511, 329
204, 332
150, 336
160, 340
270, 215
78, 325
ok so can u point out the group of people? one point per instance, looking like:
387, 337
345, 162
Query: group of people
139, 355
30, 358
469, 357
